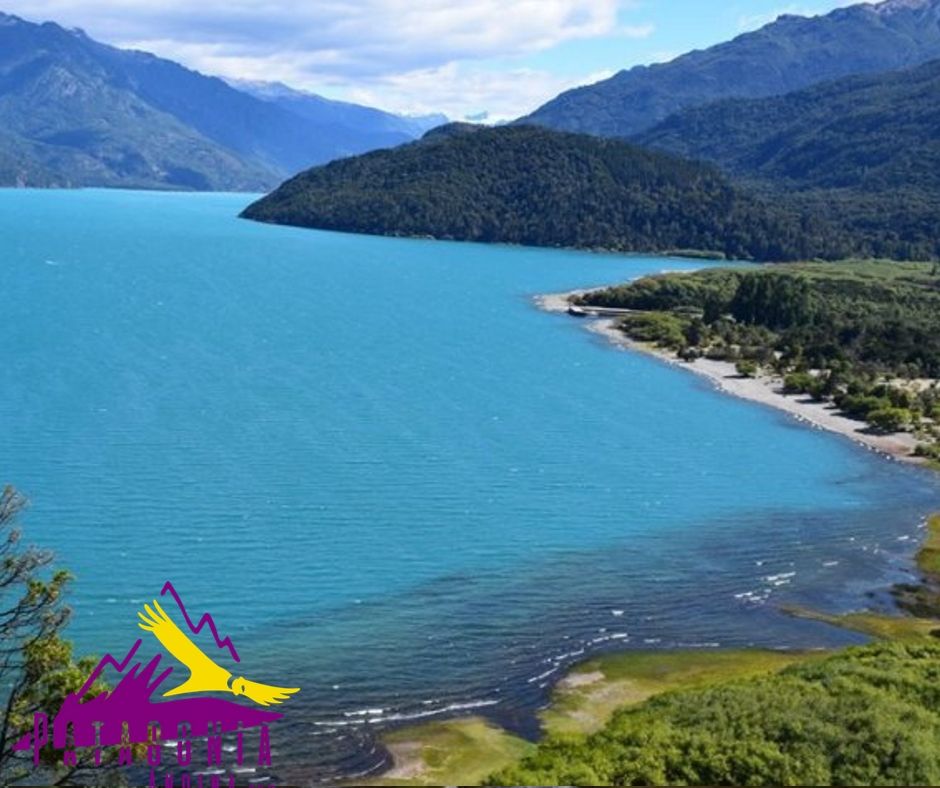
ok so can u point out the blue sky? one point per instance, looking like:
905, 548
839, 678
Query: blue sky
461, 57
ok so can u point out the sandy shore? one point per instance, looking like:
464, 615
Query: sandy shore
764, 389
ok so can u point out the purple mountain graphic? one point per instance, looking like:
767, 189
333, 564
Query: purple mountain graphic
131, 703
205, 620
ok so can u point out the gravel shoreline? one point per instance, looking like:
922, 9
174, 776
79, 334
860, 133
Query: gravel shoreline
764, 389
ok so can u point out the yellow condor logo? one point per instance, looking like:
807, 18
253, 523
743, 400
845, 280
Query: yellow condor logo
205, 675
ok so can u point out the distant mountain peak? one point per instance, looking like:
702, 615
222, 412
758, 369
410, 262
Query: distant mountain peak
894, 6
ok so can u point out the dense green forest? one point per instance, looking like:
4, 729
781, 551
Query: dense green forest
864, 335
862, 152
867, 716
537, 187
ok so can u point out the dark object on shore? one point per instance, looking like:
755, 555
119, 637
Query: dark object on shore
576, 311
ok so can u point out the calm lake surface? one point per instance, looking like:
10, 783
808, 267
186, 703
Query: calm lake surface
393, 481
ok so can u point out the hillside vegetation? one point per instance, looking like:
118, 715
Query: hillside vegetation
532, 186
862, 152
867, 716
864, 335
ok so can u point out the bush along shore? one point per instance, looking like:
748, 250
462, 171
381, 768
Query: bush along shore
853, 347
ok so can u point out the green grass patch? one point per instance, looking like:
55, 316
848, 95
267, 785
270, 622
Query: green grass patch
928, 558
588, 697
877, 625
450, 752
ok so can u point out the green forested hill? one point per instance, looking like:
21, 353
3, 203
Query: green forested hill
862, 153
533, 186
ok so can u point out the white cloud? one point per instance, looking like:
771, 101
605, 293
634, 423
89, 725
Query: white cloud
637, 31
351, 37
399, 54
459, 90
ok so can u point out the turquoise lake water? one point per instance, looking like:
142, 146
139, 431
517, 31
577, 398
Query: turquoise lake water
393, 481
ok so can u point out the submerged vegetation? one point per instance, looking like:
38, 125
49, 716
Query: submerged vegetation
863, 335
864, 716
922, 599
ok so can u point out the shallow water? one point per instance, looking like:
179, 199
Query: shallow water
391, 479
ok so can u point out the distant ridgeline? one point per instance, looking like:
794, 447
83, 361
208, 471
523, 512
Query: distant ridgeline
789, 54
862, 152
533, 186
75, 112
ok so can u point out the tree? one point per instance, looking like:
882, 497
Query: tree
37, 669
890, 419
746, 368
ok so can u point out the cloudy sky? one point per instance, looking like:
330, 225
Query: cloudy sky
461, 57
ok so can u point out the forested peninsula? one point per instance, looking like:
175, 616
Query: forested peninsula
536, 187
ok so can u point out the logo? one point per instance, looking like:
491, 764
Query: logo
136, 719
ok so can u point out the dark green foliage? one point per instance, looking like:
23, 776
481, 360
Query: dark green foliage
857, 326
889, 419
711, 293
532, 186
38, 669
787, 55
799, 383
881, 318
774, 301
868, 716
657, 328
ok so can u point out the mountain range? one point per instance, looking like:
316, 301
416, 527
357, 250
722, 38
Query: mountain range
789, 54
822, 106
342, 113
862, 152
75, 112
